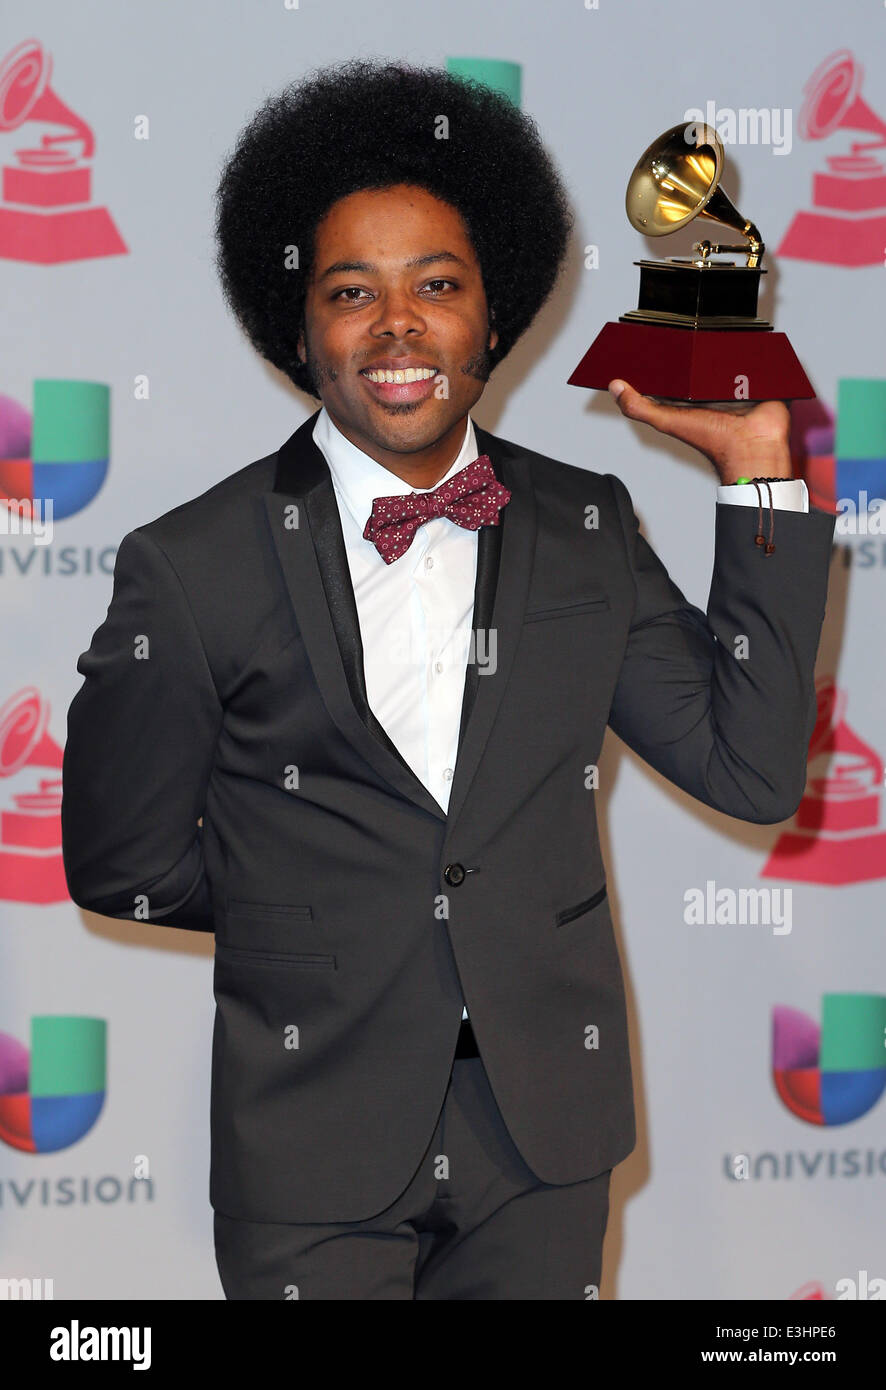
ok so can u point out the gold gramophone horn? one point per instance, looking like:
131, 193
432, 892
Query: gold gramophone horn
677, 179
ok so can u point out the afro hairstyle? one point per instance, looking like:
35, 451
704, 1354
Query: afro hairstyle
365, 124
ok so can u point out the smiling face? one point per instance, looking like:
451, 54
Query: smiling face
396, 285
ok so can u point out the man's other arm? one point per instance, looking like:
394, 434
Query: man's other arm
141, 736
724, 705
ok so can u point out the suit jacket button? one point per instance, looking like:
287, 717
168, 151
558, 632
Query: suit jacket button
454, 874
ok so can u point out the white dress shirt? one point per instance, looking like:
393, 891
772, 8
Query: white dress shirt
415, 614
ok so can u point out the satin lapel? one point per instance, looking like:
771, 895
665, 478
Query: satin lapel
306, 528
303, 515
504, 561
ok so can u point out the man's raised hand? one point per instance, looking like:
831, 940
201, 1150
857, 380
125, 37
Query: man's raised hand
741, 439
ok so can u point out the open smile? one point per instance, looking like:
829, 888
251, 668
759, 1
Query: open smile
399, 385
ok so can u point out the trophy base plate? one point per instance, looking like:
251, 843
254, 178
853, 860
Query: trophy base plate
703, 322
734, 365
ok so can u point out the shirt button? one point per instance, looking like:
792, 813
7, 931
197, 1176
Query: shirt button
447, 773
429, 562
438, 665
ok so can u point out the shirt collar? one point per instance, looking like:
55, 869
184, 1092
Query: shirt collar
358, 479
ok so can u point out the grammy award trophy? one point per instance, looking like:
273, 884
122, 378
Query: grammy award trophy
695, 334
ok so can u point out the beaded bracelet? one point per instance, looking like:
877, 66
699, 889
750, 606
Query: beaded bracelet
759, 538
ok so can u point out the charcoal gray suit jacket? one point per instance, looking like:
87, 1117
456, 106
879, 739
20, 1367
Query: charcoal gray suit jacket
351, 914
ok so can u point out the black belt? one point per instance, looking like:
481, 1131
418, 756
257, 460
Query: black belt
467, 1043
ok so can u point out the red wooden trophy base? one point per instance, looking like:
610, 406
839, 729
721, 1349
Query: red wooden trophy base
685, 364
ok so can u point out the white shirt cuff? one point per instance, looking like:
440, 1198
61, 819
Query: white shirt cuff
788, 494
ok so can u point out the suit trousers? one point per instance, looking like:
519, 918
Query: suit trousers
473, 1223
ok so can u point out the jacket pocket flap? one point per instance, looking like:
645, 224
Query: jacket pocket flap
277, 927
589, 604
568, 914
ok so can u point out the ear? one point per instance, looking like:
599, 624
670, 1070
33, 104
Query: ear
493, 333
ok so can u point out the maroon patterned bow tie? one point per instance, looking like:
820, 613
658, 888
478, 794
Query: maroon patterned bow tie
472, 497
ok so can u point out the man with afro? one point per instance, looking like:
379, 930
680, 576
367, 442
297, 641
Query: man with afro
364, 749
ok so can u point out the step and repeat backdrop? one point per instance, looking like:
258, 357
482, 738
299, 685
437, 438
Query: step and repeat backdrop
754, 954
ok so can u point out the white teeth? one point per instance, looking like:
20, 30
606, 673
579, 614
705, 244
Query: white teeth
402, 377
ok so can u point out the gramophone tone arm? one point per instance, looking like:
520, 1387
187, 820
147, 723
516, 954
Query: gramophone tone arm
753, 251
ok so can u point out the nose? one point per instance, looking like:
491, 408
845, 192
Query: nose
398, 313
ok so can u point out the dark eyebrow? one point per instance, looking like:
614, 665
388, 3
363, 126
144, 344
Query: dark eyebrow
367, 268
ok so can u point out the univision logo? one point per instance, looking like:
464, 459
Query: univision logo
842, 456
57, 460
833, 1073
53, 1096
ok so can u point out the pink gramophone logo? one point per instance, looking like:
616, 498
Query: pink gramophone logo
848, 224
45, 213
31, 865
836, 839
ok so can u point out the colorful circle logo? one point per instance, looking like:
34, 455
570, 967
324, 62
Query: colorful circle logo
62, 456
52, 1097
835, 1073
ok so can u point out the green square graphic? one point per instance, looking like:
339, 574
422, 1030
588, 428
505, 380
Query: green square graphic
853, 1032
861, 419
67, 1055
71, 421
497, 73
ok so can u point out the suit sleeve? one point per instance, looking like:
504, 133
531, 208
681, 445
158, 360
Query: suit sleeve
140, 743
723, 705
